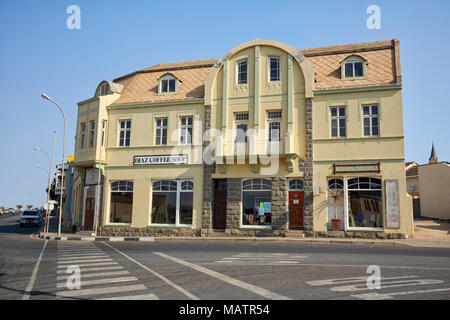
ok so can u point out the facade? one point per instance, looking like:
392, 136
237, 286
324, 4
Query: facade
428, 185
266, 140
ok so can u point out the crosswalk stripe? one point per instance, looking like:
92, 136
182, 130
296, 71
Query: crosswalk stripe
99, 281
90, 264
84, 270
149, 296
99, 291
83, 257
95, 274
83, 261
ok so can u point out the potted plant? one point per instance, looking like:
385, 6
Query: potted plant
336, 194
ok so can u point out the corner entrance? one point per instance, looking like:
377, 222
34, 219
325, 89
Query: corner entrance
296, 204
220, 204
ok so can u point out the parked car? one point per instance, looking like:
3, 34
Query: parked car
30, 217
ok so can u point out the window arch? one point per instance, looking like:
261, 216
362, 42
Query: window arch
296, 184
353, 67
364, 183
335, 184
168, 83
256, 184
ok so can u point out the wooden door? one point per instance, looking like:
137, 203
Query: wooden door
220, 204
89, 214
296, 203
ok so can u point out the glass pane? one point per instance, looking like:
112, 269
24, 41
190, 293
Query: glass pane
334, 132
164, 206
342, 132
342, 123
164, 86
122, 124
164, 122
172, 85
129, 124
367, 131
257, 208
342, 112
358, 69
186, 200
374, 109
375, 131
333, 112
189, 121
366, 110
366, 122
121, 207
164, 136
183, 121
375, 121
349, 70
364, 209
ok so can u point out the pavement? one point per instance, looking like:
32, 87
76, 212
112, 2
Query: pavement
255, 270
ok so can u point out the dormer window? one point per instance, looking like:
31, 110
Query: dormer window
353, 67
104, 90
168, 84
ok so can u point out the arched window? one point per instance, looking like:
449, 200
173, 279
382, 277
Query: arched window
353, 67
257, 184
364, 183
296, 184
168, 83
335, 184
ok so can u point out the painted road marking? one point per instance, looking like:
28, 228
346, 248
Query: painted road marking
263, 259
90, 264
389, 284
99, 291
385, 296
177, 287
150, 296
95, 274
83, 261
29, 288
83, 270
238, 283
83, 257
349, 280
99, 281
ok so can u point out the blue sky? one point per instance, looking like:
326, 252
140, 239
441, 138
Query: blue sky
39, 54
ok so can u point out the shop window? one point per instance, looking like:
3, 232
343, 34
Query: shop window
295, 185
121, 205
172, 202
365, 203
257, 202
370, 118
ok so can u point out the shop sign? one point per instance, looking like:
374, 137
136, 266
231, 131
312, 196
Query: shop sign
162, 159
356, 168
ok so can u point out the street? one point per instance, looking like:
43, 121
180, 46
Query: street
212, 270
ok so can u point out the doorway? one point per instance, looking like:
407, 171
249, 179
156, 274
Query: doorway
296, 204
220, 204
89, 209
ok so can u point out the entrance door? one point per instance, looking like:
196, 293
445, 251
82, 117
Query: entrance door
296, 203
220, 204
89, 214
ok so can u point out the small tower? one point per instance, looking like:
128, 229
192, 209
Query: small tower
433, 156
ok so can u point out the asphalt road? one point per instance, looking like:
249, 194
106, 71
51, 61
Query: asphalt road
211, 270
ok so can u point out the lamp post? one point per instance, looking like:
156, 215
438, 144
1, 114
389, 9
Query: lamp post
49, 179
44, 96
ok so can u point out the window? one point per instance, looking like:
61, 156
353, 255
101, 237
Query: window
186, 130
168, 84
370, 118
161, 131
241, 122
296, 185
121, 202
274, 74
104, 89
365, 203
354, 67
83, 134
92, 134
338, 122
257, 202
242, 72
172, 202
125, 132
103, 132
274, 125
335, 184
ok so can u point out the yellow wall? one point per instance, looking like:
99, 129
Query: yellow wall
434, 182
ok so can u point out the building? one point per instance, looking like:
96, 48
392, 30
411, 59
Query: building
266, 140
428, 185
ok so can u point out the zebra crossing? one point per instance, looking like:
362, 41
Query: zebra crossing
100, 277
262, 259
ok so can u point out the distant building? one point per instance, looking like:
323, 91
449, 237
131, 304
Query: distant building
428, 185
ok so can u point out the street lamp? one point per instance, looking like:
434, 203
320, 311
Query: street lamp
44, 96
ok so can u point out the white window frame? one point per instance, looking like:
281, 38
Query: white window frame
161, 127
370, 116
185, 128
269, 68
168, 77
346, 202
240, 118
353, 60
126, 131
109, 202
238, 72
274, 116
338, 117
178, 198
242, 225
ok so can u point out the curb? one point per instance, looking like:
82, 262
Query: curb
228, 239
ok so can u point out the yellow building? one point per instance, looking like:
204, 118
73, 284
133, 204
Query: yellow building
266, 140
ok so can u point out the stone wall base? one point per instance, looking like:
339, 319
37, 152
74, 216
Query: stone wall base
113, 231
360, 234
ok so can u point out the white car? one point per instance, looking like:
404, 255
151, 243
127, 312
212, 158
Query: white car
30, 217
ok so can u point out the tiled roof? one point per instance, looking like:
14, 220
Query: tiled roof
383, 68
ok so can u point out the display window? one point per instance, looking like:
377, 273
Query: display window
257, 202
121, 203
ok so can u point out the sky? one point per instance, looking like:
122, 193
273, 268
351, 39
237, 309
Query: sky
40, 54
